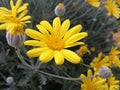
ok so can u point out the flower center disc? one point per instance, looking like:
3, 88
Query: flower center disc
55, 43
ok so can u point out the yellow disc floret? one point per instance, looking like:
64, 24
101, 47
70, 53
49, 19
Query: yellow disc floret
17, 29
61, 5
55, 43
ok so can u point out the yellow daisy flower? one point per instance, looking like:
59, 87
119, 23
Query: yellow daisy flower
95, 83
92, 49
118, 2
113, 57
112, 83
112, 9
53, 41
16, 15
94, 3
116, 38
98, 62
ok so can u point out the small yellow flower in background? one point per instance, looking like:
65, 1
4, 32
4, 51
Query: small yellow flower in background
92, 49
112, 83
98, 62
95, 83
118, 2
16, 15
116, 38
114, 57
13, 21
53, 41
74, 4
112, 8
60, 9
83, 50
94, 3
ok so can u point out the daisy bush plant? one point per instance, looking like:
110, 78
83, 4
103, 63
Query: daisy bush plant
59, 44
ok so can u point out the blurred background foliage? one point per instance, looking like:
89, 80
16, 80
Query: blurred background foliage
94, 21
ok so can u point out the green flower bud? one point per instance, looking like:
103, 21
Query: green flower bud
15, 36
104, 72
60, 9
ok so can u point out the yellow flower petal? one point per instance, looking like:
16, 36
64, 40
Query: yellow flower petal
89, 73
64, 28
18, 3
34, 43
95, 4
102, 81
82, 76
71, 56
59, 58
72, 31
35, 52
46, 25
24, 22
56, 26
75, 38
117, 15
35, 34
22, 14
4, 9
11, 4
46, 56
14, 12
25, 18
42, 30
3, 26
74, 44
23, 7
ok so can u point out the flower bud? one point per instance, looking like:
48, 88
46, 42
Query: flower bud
94, 19
104, 72
15, 36
60, 9
9, 80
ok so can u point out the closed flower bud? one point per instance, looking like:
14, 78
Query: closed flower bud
60, 9
104, 72
10, 80
15, 36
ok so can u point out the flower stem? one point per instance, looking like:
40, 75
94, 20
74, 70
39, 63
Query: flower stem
83, 4
65, 78
22, 59
86, 65
69, 75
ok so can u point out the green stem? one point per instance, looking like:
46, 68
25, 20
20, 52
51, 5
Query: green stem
86, 65
38, 64
68, 75
83, 4
22, 59
65, 78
